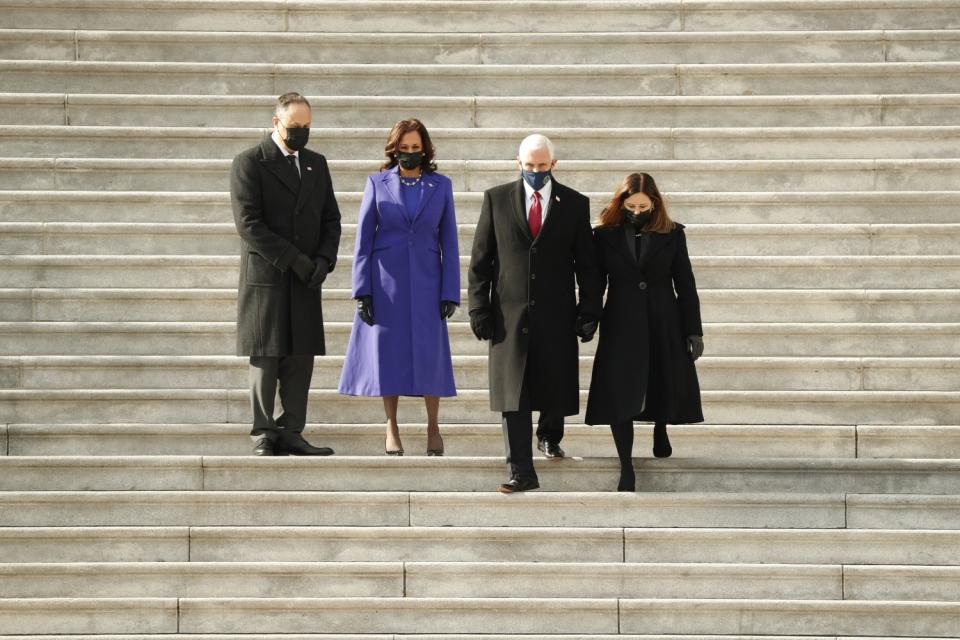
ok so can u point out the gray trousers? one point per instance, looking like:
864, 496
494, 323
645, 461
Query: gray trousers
290, 375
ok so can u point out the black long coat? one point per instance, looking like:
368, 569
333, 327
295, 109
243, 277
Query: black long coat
531, 288
651, 308
279, 217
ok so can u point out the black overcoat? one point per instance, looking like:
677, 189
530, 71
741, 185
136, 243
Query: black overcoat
530, 286
652, 306
279, 217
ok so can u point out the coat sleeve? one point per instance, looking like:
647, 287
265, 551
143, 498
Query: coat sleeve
366, 232
603, 272
585, 263
330, 223
686, 288
449, 251
483, 259
247, 201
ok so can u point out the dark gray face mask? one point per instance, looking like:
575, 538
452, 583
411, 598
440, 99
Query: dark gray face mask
296, 138
638, 220
410, 161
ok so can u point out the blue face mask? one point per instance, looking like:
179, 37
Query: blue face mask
536, 179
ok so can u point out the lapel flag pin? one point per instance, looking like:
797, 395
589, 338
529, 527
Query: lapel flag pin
309, 168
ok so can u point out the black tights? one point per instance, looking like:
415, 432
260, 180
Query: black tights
623, 439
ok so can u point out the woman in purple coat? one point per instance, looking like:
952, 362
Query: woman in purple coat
406, 281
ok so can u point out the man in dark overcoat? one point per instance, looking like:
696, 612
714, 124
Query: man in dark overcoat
289, 223
532, 249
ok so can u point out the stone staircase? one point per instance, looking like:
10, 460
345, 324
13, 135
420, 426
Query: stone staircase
809, 145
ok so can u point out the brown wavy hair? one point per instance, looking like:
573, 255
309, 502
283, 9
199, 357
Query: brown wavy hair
401, 129
613, 216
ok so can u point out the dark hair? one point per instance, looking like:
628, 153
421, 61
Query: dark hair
289, 98
401, 129
612, 215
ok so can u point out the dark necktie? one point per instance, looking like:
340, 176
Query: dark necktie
292, 159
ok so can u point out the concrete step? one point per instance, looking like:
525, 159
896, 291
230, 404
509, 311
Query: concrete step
225, 405
330, 16
214, 78
221, 239
714, 143
653, 47
714, 373
700, 441
728, 273
850, 207
420, 473
851, 339
394, 636
480, 544
248, 579
823, 546
913, 512
118, 174
545, 509
463, 580
310, 544
797, 110
721, 305
476, 615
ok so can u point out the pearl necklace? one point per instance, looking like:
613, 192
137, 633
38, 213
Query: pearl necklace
408, 182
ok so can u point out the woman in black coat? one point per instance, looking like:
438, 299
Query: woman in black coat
650, 331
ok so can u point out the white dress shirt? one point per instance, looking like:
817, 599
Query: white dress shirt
286, 152
545, 194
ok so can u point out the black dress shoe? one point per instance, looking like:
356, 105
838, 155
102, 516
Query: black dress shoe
263, 446
293, 444
514, 485
550, 450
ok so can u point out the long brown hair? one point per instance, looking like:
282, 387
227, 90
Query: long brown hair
613, 216
401, 129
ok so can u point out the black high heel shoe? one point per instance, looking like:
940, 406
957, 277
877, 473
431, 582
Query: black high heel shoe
628, 480
436, 452
661, 442
392, 452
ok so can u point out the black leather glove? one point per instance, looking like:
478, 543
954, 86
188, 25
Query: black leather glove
695, 346
320, 271
585, 329
303, 266
447, 309
481, 323
365, 309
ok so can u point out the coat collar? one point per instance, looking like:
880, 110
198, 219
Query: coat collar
391, 178
277, 164
520, 208
623, 240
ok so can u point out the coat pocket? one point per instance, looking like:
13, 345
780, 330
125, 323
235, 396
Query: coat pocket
261, 273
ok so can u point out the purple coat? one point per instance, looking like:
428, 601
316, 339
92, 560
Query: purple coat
409, 265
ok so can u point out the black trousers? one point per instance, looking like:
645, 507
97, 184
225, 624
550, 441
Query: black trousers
518, 432
291, 375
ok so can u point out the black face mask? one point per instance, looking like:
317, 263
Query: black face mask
410, 161
638, 220
296, 137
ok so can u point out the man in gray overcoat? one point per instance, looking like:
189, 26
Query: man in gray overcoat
289, 223
532, 250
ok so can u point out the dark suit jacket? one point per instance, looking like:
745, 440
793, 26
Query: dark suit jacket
530, 286
279, 217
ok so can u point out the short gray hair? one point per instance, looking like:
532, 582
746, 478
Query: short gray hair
534, 142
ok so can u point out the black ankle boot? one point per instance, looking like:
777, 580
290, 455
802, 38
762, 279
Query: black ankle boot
628, 480
661, 441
